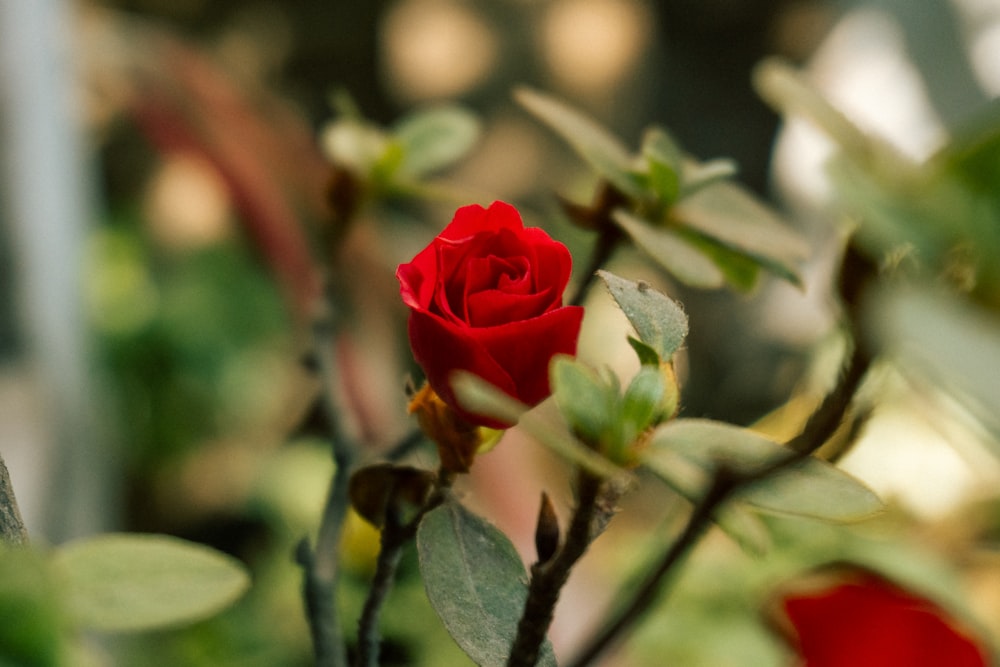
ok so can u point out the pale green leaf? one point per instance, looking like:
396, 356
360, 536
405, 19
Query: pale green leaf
952, 345
658, 319
647, 355
690, 481
130, 582
740, 271
642, 404
671, 251
597, 146
697, 175
355, 144
32, 628
687, 452
435, 138
736, 219
584, 399
664, 162
475, 581
478, 396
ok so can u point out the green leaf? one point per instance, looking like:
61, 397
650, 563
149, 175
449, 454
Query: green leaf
31, 632
665, 164
686, 453
597, 146
585, 400
741, 272
658, 319
947, 343
475, 581
477, 395
745, 527
355, 144
642, 404
697, 175
435, 138
734, 218
647, 355
130, 582
671, 251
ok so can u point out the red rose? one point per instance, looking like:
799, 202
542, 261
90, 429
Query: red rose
862, 620
486, 297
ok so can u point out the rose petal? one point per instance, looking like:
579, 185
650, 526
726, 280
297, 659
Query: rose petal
417, 279
525, 348
869, 622
494, 307
469, 220
441, 348
553, 263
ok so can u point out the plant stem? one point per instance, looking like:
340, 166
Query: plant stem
12, 529
599, 215
699, 521
320, 564
547, 579
607, 243
856, 273
395, 536
385, 574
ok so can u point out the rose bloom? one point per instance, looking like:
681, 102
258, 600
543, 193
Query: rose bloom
862, 620
486, 297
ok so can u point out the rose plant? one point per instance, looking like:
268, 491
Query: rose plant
491, 327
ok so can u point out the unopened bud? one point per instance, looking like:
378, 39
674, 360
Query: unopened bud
546, 531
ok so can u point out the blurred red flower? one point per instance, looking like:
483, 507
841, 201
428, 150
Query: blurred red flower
862, 620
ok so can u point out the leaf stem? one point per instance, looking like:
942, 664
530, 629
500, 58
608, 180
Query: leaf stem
856, 273
547, 579
12, 529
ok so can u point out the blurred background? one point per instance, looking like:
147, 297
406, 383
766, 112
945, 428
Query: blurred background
163, 180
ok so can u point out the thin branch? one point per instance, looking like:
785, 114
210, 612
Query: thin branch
320, 564
598, 215
608, 241
12, 529
385, 574
856, 273
548, 579
395, 536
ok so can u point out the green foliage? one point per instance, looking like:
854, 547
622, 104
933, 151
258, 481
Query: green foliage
588, 401
689, 217
393, 162
599, 414
954, 344
31, 619
178, 335
433, 139
733, 218
597, 146
658, 319
686, 453
476, 582
672, 250
131, 582
550, 431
